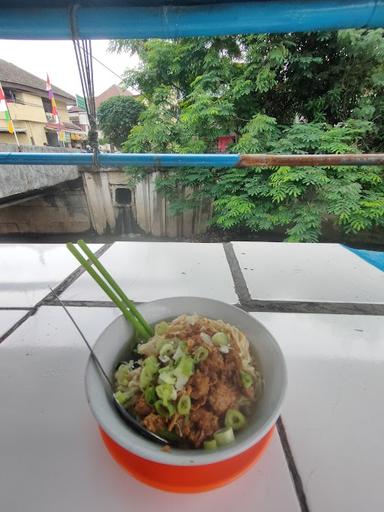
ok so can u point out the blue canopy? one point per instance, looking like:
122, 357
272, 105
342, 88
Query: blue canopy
113, 19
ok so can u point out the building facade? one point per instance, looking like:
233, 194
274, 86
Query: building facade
111, 92
79, 117
30, 109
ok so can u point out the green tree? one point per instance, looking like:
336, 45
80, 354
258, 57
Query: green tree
292, 93
117, 116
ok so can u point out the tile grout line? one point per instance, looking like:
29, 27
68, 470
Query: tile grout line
241, 287
15, 308
259, 307
246, 302
86, 303
12, 329
329, 308
68, 281
295, 475
279, 306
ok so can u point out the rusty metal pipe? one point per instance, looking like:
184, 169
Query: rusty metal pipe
268, 160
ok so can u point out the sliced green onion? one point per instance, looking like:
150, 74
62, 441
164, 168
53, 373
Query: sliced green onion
180, 351
181, 381
166, 350
150, 395
200, 354
166, 392
182, 344
184, 405
167, 377
246, 379
165, 369
185, 366
224, 436
122, 374
122, 396
148, 371
161, 328
183, 371
160, 342
235, 419
210, 444
146, 377
220, 339
152, 364
164, 409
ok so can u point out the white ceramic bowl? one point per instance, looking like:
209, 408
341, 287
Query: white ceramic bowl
113, 344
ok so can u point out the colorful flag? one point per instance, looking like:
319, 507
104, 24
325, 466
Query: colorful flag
9, 123
48, 87
54, 107
4, 108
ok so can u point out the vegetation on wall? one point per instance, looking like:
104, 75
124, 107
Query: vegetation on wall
292, 93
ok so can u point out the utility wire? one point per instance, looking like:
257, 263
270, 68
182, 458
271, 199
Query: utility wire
83, 53
107, 68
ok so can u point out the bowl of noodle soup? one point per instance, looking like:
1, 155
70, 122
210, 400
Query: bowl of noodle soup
238, 365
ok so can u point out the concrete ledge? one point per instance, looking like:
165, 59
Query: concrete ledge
19, 179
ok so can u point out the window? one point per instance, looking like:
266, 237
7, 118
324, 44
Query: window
123, 195
10, 95
47, 105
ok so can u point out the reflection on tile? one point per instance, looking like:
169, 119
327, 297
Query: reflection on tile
9, 317
51, 453
333, 412
375, 258
149, 271
27, 271
308, 272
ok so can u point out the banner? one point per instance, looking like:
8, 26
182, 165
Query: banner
80, 102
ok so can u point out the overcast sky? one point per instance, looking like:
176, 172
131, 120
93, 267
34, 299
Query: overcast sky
57, 58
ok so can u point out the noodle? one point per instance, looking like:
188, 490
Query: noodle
195, 377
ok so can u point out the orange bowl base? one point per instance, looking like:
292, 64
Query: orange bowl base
186, 479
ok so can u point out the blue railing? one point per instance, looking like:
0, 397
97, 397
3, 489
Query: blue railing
187, 160
106, 22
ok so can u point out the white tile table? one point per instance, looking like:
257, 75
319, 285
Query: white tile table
308, 272
333, 413
52, 458
27, 271
8, 317
148, 271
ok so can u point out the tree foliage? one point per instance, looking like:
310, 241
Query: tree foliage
292, 93
117, 116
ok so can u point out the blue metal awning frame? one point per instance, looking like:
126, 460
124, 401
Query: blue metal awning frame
171, 21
